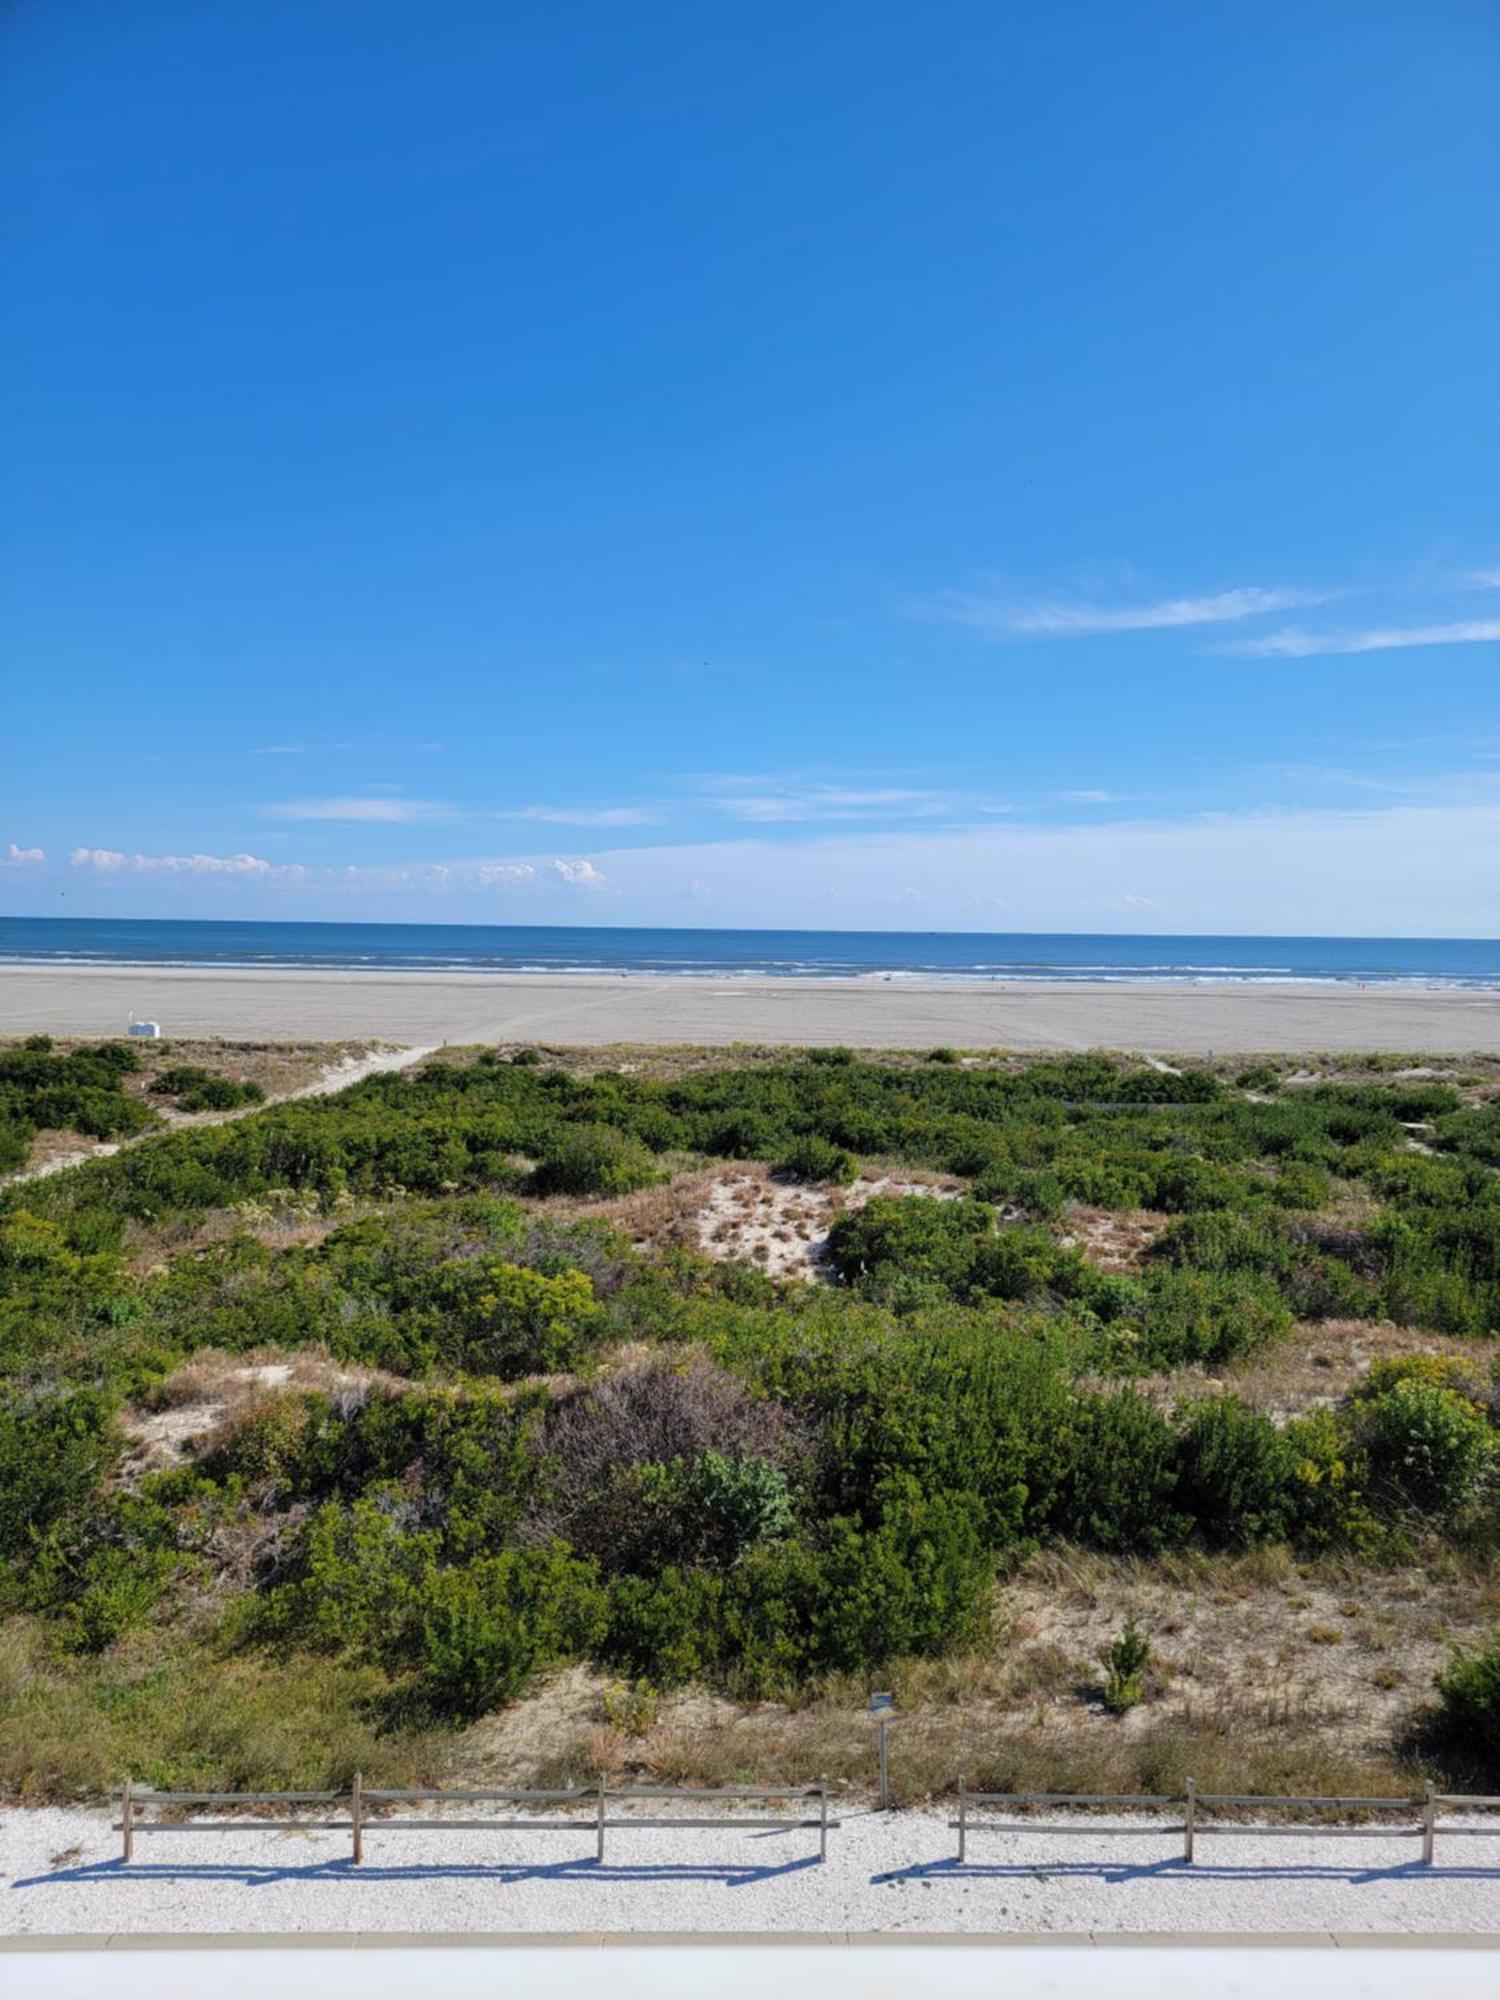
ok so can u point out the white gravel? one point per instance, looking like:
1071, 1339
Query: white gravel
60, 1871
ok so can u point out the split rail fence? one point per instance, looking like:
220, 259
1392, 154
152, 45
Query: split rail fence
365, 1812
1428, 1806
361, 1811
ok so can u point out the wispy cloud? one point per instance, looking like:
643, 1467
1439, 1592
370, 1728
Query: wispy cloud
370, 811
23, 857
998, 615
1485, 579
376, 748
1089, 798
1293, 643
575, 872
585, 815
770, 803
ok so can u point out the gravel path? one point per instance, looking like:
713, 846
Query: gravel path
60, 1872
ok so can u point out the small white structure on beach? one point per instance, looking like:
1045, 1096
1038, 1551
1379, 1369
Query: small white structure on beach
144, 1031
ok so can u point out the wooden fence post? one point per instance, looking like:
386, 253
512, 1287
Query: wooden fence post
127, 1820
1189, 1819
822, 1819
963, 1819
1429, 1822
599, 1844
357, 1817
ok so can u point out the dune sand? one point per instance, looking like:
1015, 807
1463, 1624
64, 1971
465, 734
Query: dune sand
591, 1010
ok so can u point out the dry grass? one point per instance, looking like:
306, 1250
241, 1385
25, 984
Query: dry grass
1268, 1676
749, 1215
212, 1393
1315, 1367
181, 1712
1114, 1239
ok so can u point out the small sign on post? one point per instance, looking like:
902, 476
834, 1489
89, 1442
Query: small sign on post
882, 1709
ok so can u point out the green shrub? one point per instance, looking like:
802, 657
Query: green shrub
666, 1627
1126, 1659
716, 1506
1235, 1474
201, 1090
1469, 1700
1426, 1448
1205, 1316
54, 1454
1119, 1491
486, 1629
526, 1321
594, 1161
815, 1159
915, 1235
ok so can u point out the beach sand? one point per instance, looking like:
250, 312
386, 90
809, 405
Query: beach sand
589, 1010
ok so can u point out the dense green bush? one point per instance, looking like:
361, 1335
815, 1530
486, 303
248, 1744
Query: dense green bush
814, 1159
1236, 1475
1120, 1491
486, 1628
1469, 1705
722, 1475
594, 1160
1188, 1315
1426, 1448
198, 1089
81, 1092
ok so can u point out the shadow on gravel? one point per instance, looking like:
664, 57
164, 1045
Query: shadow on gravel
1174, 1868
256, 1875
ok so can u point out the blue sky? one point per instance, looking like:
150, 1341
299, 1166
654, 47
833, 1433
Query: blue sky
919, 465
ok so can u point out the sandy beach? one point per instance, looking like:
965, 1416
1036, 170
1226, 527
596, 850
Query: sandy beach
591, 1010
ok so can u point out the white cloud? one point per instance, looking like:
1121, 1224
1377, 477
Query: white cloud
24, 857
1294, 644
997, 614
110, 861
1417, 869
377, 811
1485, 579
503, 874
1088, 798
1408, 870
579, 874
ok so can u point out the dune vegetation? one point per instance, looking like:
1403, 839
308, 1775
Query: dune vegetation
335, 1434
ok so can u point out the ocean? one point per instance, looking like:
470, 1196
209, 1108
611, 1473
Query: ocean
965, 955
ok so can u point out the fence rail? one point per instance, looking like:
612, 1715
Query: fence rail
586, 1809
1428, 1805
364, 1814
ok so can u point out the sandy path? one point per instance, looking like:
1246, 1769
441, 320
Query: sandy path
60, 1872
339, 1076
588, 1010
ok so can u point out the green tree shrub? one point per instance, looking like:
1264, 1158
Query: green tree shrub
594, 1161
1426, 1448
486, 1628
1126, 1660
1469, 1700
1235, 1474
815, 1159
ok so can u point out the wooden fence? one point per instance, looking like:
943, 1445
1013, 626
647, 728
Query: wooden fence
364, 1811
1427, 1806
586, 1809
